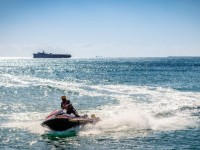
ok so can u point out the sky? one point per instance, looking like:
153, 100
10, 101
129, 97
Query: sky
105, 28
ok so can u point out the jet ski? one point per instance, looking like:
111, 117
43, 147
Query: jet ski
58, 120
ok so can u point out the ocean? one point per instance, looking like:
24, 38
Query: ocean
143, 103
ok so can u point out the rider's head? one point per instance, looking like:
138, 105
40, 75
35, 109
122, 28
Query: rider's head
64, 98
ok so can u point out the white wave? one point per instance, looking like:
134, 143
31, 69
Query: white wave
8, 80
32, 127
144, 108
28, 121
138, 107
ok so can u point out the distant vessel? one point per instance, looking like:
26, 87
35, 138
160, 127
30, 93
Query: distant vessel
50, 55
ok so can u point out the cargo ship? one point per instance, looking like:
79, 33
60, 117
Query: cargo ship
50, 55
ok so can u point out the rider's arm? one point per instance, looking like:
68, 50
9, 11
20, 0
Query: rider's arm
62, 106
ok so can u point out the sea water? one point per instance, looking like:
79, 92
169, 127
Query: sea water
143, 103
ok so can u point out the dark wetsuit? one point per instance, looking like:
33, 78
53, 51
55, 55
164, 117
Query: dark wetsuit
70, 109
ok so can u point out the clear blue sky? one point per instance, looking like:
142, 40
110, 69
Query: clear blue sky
109, 28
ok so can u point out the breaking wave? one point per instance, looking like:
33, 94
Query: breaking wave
136, 107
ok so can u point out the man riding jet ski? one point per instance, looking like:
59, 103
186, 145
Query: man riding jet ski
58, 120
66, 104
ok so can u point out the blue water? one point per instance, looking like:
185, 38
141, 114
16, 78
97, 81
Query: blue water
143, 103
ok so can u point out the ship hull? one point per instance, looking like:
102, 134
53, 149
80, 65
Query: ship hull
50, 56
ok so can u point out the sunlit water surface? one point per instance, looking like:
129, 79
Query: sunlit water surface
143, 103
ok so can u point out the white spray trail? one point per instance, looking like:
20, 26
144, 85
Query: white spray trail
138, 107
144, 108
